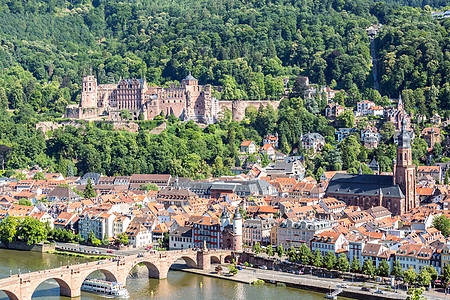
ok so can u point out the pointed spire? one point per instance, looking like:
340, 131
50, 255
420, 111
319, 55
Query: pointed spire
360, 169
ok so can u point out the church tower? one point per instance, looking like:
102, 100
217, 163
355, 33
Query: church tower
89, 91
405, 171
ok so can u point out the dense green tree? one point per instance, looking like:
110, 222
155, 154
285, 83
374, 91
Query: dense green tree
355, 266
280, 250
8, 229
89, 190
91, 236
149, 187
387, 131
433, 273
39, 176
330, 260
305, 254
424, 277
446, 273
350, 149
342, 263
368, 268
346, 119
257, 248
317, 259
32, 231
121, 239
415, 294
397, 269
442, 223
383, 269
105, 240
410, 276
24, 201
292, 254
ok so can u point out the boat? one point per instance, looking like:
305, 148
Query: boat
104, 287
330, 296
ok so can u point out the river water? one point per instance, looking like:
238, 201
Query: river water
178, 285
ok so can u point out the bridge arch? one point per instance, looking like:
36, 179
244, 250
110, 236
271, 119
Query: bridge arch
215, 259
10, 295
65, 288
190, 261
109, 276
153, 270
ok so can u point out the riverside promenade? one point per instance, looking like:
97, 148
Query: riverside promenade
308, 282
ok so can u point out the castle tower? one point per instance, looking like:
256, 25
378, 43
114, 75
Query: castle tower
237, 230
89, 91
405, 171
189, 80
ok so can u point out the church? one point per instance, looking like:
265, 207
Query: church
397, 193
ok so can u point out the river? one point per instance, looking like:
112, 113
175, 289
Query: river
178, 285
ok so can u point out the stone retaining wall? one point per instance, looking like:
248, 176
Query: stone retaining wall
25, 247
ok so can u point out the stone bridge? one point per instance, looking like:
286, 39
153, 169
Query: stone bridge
70, 278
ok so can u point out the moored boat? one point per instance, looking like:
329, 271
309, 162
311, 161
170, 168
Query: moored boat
104, 287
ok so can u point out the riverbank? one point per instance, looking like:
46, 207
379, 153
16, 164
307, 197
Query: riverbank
249, 275
210, 273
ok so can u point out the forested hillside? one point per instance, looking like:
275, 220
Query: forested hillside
247, 47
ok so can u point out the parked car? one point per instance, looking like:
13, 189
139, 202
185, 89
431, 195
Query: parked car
437, 283
148, 248
239, 267
109, 251
343, 286
379, 292
366, 289
263, 267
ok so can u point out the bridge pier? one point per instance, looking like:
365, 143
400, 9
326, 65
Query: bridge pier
67, 292
163, 271
203, 260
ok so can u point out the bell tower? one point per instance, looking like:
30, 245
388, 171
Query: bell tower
405, 171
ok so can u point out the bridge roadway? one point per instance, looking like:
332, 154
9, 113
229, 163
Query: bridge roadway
70, 278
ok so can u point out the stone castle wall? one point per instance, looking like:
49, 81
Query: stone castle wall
238, 107
75, 112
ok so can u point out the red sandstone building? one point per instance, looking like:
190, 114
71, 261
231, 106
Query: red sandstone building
189, 100
397, 193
